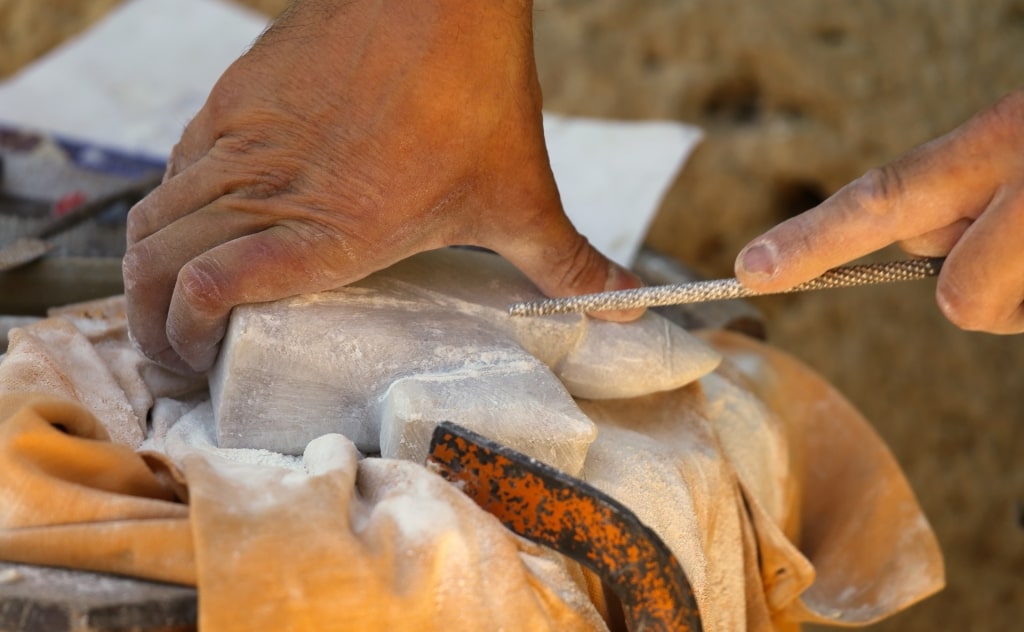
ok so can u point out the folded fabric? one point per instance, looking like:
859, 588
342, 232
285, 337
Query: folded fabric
777, 497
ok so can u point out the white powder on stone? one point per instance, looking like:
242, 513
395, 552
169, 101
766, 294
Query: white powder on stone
10, 576
193, 432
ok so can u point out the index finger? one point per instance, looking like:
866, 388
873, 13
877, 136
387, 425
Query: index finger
929, 188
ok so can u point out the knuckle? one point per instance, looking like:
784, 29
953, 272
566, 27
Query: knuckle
177, 157
251, 140
876, 191
270, 182
178, 160
137, 225
135, 266
225, 98
579, 265
143, 307
801, 234
264, 169
961, 309
1005, 118
202, 286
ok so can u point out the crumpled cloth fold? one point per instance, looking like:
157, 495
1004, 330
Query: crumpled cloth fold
853, 546
348, 544
70, 497
781, 502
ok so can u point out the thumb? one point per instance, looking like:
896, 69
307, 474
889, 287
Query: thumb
561, 262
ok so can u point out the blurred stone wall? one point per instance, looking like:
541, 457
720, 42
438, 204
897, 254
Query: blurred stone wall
797, 98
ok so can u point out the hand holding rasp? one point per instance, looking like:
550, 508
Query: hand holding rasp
724, 289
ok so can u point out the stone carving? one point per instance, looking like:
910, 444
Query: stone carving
428, 340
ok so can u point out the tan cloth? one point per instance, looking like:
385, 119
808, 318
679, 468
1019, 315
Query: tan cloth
781, 503
850, 544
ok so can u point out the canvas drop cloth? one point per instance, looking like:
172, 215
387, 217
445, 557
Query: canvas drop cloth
777, 497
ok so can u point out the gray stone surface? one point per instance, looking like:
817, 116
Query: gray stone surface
42, 599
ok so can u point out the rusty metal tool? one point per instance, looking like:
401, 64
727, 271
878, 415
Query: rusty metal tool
724, 289
566, 514
30, 247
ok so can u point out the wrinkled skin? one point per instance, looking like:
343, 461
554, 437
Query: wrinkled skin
353, 135
959, 196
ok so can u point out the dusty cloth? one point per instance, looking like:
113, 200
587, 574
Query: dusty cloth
840, 535
779, 500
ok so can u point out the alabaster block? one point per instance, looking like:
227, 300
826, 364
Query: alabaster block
516, 406
429, 340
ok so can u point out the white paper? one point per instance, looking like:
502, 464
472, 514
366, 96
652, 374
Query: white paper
134, 80
612, 175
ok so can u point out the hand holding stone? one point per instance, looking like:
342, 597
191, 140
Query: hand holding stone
351, 136
959, 196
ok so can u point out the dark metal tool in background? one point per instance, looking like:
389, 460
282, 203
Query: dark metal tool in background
566, 514
723, 289
30, 247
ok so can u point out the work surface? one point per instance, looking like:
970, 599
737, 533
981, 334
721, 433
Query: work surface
40, 599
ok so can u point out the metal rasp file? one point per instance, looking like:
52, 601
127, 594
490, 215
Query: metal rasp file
725, 289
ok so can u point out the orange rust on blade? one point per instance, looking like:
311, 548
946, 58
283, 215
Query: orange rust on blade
572, 517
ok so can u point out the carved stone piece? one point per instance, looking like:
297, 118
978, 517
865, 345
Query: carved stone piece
429, 340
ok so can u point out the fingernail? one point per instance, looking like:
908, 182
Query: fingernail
759, 259
620, 278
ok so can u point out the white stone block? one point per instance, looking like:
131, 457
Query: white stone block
429, 340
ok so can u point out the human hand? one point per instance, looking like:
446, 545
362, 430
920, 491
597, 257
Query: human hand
351, 136
959, 196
